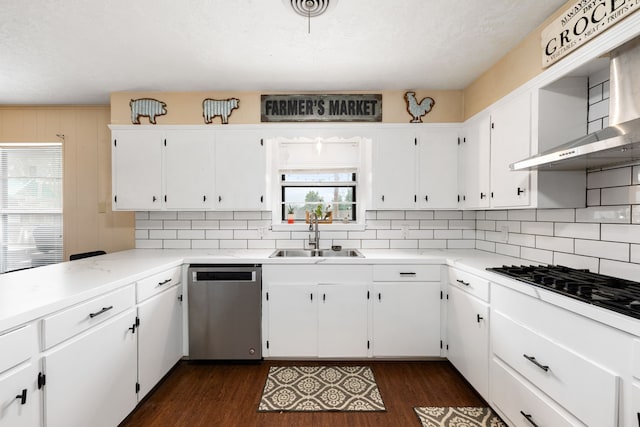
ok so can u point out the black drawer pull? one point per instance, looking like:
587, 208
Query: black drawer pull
408, 273
479, 318
535, 362
97, 313
164, 282
463, 282
22, 396
529, 418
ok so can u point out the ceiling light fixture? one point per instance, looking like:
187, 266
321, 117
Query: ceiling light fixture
310, 8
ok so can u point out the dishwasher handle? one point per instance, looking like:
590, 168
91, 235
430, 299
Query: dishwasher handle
226, 275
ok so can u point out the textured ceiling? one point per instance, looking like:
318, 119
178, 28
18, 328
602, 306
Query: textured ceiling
79, 51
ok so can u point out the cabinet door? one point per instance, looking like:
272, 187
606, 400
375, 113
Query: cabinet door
510, 142
342, 320
14, 410
438, 169
406, 319
189, 177
394, 170
468, 338
91, 379
159, 337
293, 320
241, 175
137, 170
474, 165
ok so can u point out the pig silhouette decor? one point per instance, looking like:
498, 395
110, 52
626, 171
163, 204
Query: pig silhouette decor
146, 107
418, 109
218, 107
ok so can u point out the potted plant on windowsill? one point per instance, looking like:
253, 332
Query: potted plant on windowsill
325, 216
290, 215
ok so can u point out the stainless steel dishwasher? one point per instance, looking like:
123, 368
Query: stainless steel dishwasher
225, 312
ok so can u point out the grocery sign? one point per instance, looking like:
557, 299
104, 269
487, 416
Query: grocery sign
321, 108
585, 20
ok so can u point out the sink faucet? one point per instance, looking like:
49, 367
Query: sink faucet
313, 226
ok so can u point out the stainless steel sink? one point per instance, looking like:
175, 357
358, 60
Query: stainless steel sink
322, 253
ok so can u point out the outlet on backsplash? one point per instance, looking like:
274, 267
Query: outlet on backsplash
504, 234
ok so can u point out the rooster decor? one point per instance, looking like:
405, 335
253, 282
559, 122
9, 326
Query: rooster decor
417, 110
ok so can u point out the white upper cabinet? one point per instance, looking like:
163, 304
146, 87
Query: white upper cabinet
474, 163
189, 177
394, 169
240, 171
437, 168
510, 142
137, 170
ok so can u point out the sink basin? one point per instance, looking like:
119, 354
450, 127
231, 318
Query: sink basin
322, 253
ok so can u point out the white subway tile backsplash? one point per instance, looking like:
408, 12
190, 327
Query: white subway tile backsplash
419, 215
390, 215
408, 223
149, 244
635, 176
205, 244
509, 250
469, 234
367, 234
290, 244
191, 234
598, 110
635, 214
462, 224
171, 224
142, 234
621, 233
261, 244
390, 234
624, 270
593, 197
219, 215
522, 239
497, 215
233, 244
447, 234
461, 244
432, 244
635, 254
510, 226
163, 234
142, 215
469, 215
246, 234
576, 261
560, 215
370, 215
218, 234
439, 224
246, 215
163, 215
494, 236
486, 225
403, 244
609, 178
601, 249
594, 126
621, 195
595, 94
538, 255
420, 234
447, 214
148, 224
377, 224
521, 215
191, 215
486, 246
375, 244
579, 231
176, 244
205, 225
543, 228
604, 214
561, 244
606, 89
233, 225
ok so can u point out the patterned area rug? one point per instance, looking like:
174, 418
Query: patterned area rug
449, 416
320, 388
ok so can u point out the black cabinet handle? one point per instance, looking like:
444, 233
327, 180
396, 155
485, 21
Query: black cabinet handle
154, 198
535, 362
379, 296
22, 396
97, 313
42, 380
463, 282
529, 418
204, 198
261, 199
311, 296
219, 198
164, 282
408, 273
426, 198
133, 328
479, 318
483, 195
324, 297
383, 197
520, 191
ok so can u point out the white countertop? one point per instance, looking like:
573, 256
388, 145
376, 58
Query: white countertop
29, 294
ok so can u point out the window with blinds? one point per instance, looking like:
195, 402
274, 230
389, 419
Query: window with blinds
30, 205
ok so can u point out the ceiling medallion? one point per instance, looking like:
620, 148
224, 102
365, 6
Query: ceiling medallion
310, 8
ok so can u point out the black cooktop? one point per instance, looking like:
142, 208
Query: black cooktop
609, 292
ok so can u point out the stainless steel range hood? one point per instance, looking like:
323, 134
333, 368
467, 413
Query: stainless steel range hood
619, 143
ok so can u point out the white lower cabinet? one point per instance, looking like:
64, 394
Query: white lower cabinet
90, 379
292, 320
19, 365
468, 327
342, 320
159, 337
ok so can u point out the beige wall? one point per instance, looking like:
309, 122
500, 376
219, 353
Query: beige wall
186, 107
89, 223
520, 65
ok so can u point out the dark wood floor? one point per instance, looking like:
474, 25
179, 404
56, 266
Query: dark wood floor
227, 394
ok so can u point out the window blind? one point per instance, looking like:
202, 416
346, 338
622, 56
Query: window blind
30, 205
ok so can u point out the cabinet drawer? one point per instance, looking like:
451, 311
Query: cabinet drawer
17, 346
67, 323
563, 375
151, 285
469, 283
522, 403
406, 273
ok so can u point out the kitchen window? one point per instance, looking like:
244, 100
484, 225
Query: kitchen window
30, 205
331, 193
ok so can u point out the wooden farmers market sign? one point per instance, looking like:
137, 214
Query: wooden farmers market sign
321, 108
582, 22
